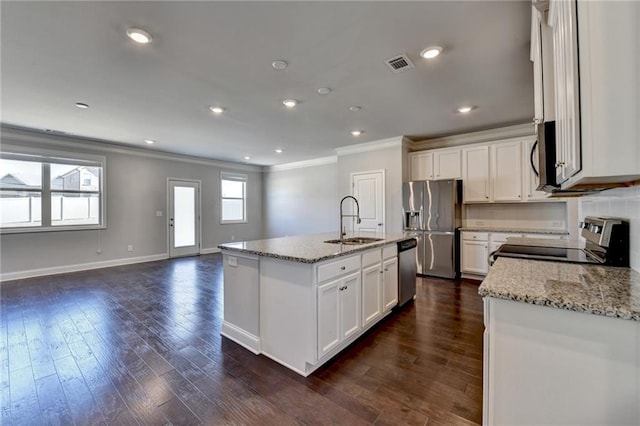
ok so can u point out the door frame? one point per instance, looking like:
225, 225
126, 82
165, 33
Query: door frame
384, 190
198, 212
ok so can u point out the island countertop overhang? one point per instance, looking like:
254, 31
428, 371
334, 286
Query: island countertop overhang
310, 248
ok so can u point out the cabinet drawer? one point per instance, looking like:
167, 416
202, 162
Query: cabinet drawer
475, 236
338, 267
501, 237
389, 251
546, 236
370, 257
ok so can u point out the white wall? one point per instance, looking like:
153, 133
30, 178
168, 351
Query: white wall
619, 202
136, 187
301, 201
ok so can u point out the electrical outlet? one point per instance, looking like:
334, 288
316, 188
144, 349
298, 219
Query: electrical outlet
129, 247
556, 224
233, 261
159, 213
233, 238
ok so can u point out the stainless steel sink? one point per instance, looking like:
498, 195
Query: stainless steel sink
354, 241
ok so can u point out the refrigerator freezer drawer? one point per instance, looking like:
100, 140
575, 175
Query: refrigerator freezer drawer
440, 257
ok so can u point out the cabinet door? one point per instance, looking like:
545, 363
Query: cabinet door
447, 164
371, 303
562, 19
350, 306
506, 175
475, 256
329, 332
475, 174
531, 178
421, 165
390, 283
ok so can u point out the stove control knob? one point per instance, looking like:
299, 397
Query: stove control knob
582, 225
595, 229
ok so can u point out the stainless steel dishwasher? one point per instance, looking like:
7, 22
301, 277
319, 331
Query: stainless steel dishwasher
407, 270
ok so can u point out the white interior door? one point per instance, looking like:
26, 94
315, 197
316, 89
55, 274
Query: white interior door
368, 188
184, 218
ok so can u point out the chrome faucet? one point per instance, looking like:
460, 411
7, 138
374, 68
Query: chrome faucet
357, 215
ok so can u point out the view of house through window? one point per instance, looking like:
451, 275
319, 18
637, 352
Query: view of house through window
36, 193
234, 193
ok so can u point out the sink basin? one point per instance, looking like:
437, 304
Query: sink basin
355, 240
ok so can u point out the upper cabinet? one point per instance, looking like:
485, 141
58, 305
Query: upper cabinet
475, 167
435, 164
590, 65
506, 171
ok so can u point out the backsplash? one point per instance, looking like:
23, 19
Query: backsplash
619, 202
547, 216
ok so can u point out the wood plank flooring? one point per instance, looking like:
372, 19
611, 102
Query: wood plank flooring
141, 344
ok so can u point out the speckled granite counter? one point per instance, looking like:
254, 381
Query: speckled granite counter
309, 248
514, 231
599, 290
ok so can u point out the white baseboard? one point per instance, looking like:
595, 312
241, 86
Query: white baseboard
241, 337
80, 267
210, 250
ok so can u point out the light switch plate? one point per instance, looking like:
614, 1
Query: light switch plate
159, 213
233, 261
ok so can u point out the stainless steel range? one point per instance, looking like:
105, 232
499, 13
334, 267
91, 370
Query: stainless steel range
607, 243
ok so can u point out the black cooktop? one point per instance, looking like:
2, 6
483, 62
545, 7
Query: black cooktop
554, 254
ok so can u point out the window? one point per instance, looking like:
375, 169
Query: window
43, 191
234, 198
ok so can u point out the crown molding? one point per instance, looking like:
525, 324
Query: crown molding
509, 132
20, 135
395, 141
302, 164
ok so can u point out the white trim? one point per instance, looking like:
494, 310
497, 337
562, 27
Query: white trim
80, 267
241, 337
31, 136
291, 367
517, 131
395, 141
302, 164
210, 250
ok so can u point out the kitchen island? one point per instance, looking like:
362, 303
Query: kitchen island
300, 300
561, 343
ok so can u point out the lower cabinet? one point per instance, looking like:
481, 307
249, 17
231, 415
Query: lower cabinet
371, 294
475, 253
338, 311
389, 284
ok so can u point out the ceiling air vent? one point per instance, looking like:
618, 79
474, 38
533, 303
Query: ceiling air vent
399, 63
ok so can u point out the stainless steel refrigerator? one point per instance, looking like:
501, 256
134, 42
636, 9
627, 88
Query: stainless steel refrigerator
432, 213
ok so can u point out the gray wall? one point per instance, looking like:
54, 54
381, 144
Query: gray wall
136, 188
388, 159
301, 201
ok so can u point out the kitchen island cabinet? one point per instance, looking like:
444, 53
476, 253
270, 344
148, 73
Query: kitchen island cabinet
561, 344
300, 301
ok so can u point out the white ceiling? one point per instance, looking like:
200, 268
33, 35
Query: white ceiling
55, 54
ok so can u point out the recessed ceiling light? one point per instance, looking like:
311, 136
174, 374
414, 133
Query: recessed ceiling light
279, 64
149, 141
82, 105
139, 36
324, 91
217, 109
356, 132
465, 109
431, 52
279, 150
290, 103
246, 157
355, 108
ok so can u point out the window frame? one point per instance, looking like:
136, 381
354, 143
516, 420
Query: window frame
47, 157
236, 177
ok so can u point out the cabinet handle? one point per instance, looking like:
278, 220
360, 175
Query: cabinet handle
486, 196
343, 267
381, 272
519, 196
386, 269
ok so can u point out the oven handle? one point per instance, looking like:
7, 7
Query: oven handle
533, 166
492, 258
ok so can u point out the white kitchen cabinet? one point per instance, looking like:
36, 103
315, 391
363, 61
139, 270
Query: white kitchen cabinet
506, 171
549, 366
531, 179
447, 164
390, 284
475, 169
421, 165
475, 253
371, 294
338, 311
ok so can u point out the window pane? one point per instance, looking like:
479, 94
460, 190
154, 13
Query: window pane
74, 209
232, 210
20, 209
232, 189
16, 174
74, 177
184, 216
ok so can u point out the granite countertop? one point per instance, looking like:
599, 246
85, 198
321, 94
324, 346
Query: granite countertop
593, 289
310, 248
514, 230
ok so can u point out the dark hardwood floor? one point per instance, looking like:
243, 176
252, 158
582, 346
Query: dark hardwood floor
141, 344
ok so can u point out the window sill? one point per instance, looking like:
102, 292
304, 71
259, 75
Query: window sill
232, 222
31, 230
